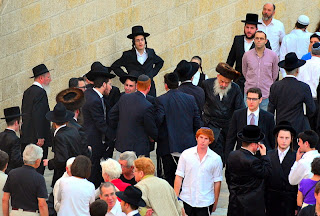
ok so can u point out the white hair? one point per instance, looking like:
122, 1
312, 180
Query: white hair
32, 153
292, 72
69, 162
128, 156
112, 168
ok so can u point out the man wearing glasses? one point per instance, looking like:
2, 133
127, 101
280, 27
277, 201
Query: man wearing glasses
252, 115
260, 68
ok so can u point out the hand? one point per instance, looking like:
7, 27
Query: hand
149, 212
214, 207
263, 149
299, 154
183, 212
40, 142
45, 162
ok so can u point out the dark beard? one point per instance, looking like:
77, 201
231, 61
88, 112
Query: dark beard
249, 37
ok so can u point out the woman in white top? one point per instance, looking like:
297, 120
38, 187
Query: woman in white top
199, 77
76, 192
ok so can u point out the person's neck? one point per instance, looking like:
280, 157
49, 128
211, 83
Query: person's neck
267, 22
32, 165
260, 51
315, 177
253, 109
282, 149
140, 51
248, 148
13, 128
144, 92
202, 151
101, 90
128, 176
248, 40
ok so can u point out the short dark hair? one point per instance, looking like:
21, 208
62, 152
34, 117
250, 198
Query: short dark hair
98, 82
300, 26
256, 91
315, 166
4, 159
172, 80
98, 208
200, 59
133, 207
256, 25
81, 167
310, 136
73, 82
317, 189
11, 121
314, 35
131, 79
259, 31
106, 185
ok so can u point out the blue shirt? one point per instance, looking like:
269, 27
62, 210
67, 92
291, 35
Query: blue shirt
306, 56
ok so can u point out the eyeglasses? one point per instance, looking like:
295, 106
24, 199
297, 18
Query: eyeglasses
252, 99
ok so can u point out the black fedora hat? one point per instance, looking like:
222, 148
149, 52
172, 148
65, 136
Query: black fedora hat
137, 30
250, 134
72, 98
39, 69
131, 75
251, 19
132, 195
59, 114
11, 113
284, 125
291, 62
186, 70
99, 70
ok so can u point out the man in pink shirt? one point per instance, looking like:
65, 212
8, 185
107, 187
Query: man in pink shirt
260, 68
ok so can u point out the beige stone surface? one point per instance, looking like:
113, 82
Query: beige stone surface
68, 35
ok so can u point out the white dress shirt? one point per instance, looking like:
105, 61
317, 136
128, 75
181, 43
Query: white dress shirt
275, 33
116, 210
302, 169
133, 213
282, 154
196, 78
56, 190
199, 176
247, 45
256, 116
141, 58
310, 74
56, 131
99, 93
37, 84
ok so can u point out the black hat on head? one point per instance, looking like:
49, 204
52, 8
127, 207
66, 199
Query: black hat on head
284, 125
11, 113
131, 75
291, 62
251, 19
39, 70
59, 114
99, 70
72, 98
186, 70
137, 30
250, 134
132, 195
227, 71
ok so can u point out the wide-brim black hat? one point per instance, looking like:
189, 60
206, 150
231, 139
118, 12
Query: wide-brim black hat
186, 70
131, 75
251, 134
132, 195
72, 98
99, 70
11, 113
137, 30
227, 71
59, 114
284, 125
291, 62
251, 19
39, 70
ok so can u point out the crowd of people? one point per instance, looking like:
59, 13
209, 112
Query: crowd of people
265, 132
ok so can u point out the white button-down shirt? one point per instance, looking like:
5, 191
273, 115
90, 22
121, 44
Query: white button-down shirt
132, 213
37, 84
302, 169
142, 57
310, 74
56, 131
256, 116
116, 210
199, 176
275, 33
196, 78
247, 45
282, 154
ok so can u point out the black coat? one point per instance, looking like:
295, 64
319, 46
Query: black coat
34, 123
133, 116
239, 120
66, 144
245, 175
286, 98
10, 143
196, 92
151, 66
178, 120
84, 140
281, 197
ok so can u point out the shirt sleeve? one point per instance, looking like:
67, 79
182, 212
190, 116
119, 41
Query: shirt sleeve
217, 172
6, 187
42, 189
181, 166
298, 172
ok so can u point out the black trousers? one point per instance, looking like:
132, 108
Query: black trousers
169, 164
194, 211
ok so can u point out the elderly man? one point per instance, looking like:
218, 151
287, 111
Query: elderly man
223, 97
4, 159
77, 83
108, 194
272, 27
26, 187
126, 161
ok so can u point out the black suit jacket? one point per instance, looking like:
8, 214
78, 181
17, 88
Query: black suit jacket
151, 66
133, 116
178, 120
34, 123
84, 140
239, 120
196, 91
286, 98
10, 143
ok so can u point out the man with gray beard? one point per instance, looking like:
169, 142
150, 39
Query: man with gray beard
223, 97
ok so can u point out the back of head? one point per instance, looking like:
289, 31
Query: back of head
309, 136
172, 80
98, 208
128, 156
98, 82
143, 83
315, 166
73, 82
81, 167
315, 50
145, 164
302, 22
112, 168
4, 159
32, 153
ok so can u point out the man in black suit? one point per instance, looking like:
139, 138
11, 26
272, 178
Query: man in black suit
131, 200
9, 141
288, 95
281, 196
178, 120
35, 127
95, 121
243, 43
247, 116
245, 174
139, 58
133, 116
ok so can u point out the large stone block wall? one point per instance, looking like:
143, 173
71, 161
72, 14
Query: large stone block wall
68, 35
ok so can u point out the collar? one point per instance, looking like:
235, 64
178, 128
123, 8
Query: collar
187, 81
256, 113
284, 152
292, 76
75, 119
248, 150
10, 129
271, 23
133, 213
264, 51
37, 84
142, 93
147, 176
99, 93
138, 54
116, 208
56, 131
312, 152
244, 38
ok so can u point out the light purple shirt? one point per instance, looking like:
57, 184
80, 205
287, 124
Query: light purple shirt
260, 72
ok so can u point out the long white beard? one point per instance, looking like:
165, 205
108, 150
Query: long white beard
217, 90
47, 89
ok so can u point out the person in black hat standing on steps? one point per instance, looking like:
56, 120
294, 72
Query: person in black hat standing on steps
245, 174
35, 127
131, 200
139, 58
9, 141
